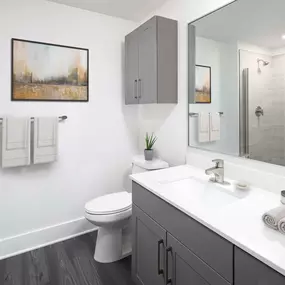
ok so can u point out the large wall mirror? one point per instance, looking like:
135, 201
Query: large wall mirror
237, 81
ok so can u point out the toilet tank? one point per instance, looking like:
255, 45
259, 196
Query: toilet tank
141, 165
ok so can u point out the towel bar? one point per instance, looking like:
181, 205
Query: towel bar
197, 114
60, 118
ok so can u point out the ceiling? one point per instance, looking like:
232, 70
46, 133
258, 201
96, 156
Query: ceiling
258, 22
134, 10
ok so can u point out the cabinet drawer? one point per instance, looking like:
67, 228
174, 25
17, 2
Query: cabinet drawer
250, 271
207, 245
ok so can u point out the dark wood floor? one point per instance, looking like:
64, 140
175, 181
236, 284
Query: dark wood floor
66, 263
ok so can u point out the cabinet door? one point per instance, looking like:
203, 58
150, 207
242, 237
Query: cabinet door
132, 68
250, 271
149, 241
183, 267
148, 62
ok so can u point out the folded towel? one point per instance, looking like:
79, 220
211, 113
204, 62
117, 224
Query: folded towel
45, 140
15, 142
273, 217
204, 127
281, 226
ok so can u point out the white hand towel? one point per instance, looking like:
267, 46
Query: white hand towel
45, 140
281, 226
215, 127
16, 133
203, 128
273, 217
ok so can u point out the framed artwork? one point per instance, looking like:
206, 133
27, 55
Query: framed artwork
203, 84
49, 72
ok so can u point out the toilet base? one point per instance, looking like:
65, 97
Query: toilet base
112, 244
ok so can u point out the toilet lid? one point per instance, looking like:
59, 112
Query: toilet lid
110, 204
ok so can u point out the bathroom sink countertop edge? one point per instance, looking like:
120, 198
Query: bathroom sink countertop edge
239, 221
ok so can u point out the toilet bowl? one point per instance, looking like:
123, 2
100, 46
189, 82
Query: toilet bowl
111, 213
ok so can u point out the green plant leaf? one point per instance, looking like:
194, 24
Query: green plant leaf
150, 141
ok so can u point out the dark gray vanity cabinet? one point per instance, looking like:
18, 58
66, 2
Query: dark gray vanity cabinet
250, 271
151, 62
169, 247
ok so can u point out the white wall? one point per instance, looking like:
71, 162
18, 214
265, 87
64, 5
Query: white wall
170, 121
222, 58
99, 138
254, 48
278, 100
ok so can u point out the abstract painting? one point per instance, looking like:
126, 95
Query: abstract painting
49, 72
203, 84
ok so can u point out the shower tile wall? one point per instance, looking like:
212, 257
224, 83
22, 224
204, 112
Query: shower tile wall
266, 133
278, 86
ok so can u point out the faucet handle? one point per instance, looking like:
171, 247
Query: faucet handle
219, 162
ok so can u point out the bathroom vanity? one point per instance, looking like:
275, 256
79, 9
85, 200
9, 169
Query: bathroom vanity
187, 230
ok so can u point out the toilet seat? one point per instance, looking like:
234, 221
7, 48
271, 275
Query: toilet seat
110, 204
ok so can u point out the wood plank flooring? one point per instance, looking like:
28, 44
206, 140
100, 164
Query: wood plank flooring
66, 263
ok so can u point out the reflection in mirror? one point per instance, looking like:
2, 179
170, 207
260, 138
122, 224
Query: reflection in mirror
237, 81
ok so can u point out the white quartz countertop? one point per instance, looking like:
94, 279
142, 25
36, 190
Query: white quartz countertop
237, 219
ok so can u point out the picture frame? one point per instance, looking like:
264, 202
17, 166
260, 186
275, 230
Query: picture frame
203, 84
48, 72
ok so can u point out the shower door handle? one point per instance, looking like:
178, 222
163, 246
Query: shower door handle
243, 116
259, 111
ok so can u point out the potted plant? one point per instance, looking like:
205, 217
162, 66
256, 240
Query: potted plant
149, 143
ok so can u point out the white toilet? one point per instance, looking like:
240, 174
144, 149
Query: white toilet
112, 213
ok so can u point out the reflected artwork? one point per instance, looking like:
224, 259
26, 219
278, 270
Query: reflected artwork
48, 72
203, 84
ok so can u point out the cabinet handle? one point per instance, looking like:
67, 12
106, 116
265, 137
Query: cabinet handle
167, 279
159, 270
140, 88
136, 89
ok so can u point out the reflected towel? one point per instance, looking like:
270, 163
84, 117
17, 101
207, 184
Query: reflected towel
281, 226
273, 217
215, 127
203, 127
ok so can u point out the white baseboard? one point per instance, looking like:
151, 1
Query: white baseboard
45, 236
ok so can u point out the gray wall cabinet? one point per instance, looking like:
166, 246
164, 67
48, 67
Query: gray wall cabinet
151, 62
170, 247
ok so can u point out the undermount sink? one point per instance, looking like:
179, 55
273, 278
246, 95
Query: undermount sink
212, 195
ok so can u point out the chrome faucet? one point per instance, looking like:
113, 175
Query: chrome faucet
217, 170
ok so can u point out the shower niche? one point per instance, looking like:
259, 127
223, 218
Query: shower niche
245, 49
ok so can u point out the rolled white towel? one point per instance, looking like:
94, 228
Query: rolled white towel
281, 226
273, 217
